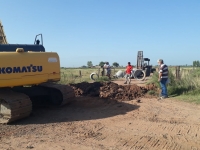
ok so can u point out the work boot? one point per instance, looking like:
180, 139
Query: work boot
125, 82
159, 98
162, 97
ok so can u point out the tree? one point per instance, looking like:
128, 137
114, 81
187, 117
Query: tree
197, 64
83, 66
194, 63
115, 64
89, 64
101, 63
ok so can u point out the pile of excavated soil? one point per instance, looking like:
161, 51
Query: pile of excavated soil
86, 89
111, 90
119, 92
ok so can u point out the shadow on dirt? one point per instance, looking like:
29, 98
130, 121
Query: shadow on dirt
83, 108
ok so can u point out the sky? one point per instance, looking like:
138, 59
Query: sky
107, 30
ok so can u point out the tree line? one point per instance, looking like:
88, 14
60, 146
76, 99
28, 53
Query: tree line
90, 64
196, 63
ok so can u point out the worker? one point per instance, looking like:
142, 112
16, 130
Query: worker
163, 78
108, 69
129, 69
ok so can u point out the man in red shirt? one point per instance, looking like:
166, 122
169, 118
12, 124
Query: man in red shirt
129, 68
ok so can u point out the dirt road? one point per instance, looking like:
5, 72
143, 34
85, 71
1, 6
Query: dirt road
94, 124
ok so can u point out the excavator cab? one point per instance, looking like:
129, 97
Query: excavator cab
36, 47
37, 41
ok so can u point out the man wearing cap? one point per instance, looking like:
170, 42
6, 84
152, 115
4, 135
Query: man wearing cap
163, 77
129, 68
108, 69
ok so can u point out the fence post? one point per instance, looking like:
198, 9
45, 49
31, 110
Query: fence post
98, 72
177, 72
102, 72
80, 73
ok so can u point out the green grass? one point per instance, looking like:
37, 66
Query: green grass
189, 98
154, 80
186, 88
152, 92
73, 75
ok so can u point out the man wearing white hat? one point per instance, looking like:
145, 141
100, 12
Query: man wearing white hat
163, 77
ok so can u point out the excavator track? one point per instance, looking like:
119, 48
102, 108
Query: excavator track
13, 106
67, 92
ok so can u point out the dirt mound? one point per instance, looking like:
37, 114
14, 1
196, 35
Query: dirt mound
84, 88
119, 92
111, 90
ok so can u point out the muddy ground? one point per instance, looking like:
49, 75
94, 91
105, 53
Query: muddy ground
92, 122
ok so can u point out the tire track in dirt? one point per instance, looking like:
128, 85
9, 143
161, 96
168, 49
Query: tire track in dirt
173, 132
165, 125
156, 142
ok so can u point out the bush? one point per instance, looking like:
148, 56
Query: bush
188, 84
101, 79
195, 73
154, 80
152, 92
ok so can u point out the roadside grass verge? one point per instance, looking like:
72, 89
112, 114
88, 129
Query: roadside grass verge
189, 98
187, 88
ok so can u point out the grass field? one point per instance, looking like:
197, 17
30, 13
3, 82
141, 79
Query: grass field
77, 75
187, 88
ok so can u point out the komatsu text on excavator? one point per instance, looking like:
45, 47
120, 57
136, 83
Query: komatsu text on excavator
28, 76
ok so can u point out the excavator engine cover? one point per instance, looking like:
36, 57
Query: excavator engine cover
26, 47
28, 68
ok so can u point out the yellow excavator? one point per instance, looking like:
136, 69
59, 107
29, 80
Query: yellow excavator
29, 76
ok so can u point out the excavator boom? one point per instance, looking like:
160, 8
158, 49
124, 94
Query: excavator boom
3, 39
